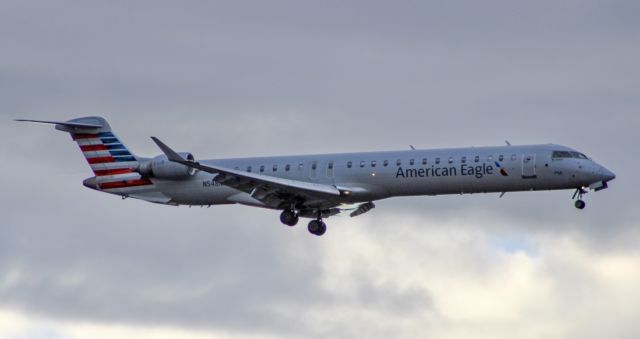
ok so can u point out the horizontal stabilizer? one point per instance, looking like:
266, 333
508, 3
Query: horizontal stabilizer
64, 123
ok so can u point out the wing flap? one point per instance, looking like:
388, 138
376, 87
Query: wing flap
362, 209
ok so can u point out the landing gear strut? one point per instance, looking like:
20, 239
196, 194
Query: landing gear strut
289, 217
580, 204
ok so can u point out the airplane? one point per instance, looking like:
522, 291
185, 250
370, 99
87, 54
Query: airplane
323, 185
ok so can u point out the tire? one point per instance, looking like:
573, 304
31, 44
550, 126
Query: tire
293, 221
288, 218
314, 227
322, 230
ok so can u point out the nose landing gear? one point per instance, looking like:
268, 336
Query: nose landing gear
579, 204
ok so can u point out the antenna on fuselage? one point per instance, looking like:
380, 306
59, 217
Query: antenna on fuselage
412, 148
508, 143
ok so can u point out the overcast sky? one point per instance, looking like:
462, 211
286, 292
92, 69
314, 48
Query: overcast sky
249, 78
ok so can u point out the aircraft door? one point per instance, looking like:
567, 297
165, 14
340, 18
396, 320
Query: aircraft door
529, 166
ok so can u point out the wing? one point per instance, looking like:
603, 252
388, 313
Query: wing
271, 191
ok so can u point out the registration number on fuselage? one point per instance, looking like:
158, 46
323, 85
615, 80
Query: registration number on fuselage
210, 183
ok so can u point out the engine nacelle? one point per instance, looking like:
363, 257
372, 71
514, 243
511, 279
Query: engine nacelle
162, 168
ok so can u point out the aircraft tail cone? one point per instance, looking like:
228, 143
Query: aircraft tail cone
91, 183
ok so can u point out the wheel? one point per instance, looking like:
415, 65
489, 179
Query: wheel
314, 226
322, 230
580, 204
317, 227
289, 218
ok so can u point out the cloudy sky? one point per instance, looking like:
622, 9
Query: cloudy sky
247, 78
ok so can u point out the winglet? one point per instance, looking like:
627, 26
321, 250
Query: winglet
171, 154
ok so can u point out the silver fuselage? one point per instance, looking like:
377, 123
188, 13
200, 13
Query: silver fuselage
378, 175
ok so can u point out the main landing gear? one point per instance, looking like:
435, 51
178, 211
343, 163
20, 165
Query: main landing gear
580, 204
316, 226
289, 217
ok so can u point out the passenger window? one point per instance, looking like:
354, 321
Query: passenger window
385, 163
275, 168
287, 167
398, 162
450, 159
330, 166
300, 166
424, 161
362, 163
236, 168
262, 168
249, 169
373, 163
349, 164
437, 161
490, 158
500, 157
314, 165
411, 162
477, 158
463, 160
514, 157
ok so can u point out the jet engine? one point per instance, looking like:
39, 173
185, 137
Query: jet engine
162, 168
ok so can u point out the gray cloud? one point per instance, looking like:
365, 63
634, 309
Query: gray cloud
256, 78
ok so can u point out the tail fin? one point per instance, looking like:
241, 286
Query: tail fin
112, 163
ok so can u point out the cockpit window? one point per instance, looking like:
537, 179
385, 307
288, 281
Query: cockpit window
567, 154
579, 155
560, 154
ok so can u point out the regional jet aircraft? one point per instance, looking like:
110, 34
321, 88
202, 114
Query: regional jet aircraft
319, 186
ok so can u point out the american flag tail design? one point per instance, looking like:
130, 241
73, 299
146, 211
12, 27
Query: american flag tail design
111, 161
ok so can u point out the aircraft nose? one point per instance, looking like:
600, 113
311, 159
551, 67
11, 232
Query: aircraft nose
606, 174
